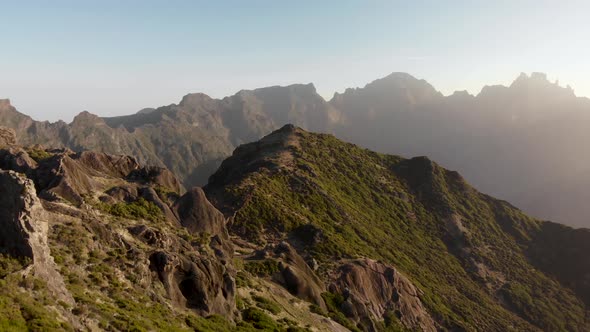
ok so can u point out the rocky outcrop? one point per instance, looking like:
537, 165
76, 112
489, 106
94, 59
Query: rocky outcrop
157, 176
17, 159
198, 215
150, 195
183, 271
24, 225
196, 282
102, 163
7, 136
201, 280
295, 274
372, 289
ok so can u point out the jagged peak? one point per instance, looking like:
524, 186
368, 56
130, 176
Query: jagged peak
86, 117
534, 78
288, 128
462, 94
537, 80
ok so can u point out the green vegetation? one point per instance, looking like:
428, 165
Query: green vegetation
266, 304
10, 264
263, 268
24, 301
344, 202
165, 194
134, 210
259, 320
334, 304
108, 290
38, 155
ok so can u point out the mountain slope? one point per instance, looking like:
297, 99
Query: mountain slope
465, 252
96, 242
295, 232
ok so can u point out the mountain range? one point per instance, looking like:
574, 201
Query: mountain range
524, 143
294, 232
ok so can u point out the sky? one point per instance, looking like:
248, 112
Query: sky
58, 58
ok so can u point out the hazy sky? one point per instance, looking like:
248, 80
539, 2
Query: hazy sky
58, 58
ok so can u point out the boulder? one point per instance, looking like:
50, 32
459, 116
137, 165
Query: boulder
296, 275
199, 283
371, 290
198, 215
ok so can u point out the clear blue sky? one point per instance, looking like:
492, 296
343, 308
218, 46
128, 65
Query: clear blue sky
58, 58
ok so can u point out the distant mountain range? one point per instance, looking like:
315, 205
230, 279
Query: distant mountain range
525, 143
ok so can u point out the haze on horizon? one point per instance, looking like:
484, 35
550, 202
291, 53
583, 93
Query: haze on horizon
114, 58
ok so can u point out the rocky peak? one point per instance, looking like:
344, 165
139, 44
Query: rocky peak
395, 91
389, 291
538, 83
198, 215
397, 81
461, 95
86, 118
5, 103
193, 99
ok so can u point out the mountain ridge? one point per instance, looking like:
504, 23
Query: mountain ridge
396, 114
298, 231
333, 202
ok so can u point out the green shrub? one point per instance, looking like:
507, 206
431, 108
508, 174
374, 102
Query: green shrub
264, 268
10, 264
260, 320
139, 209
266, 304
38, 155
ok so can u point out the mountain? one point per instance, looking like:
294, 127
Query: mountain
295, 232
523, 142
476, 263
190, 138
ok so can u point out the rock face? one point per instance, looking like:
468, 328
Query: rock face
182, 271
24, 230
61, 173
372, 289
199, 283
7, 136
198, 215
17, 159
296, 275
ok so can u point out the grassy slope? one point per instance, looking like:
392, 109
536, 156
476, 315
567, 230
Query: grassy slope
396, 210
105, 271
